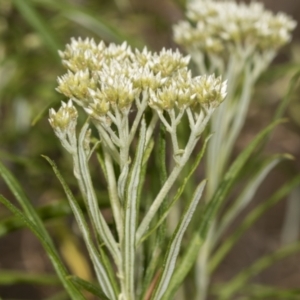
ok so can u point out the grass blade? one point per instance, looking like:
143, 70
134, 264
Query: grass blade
291, 225
263, 292
24, 201
250, 219
43, 111
94, 22
293, 85
9, 277
58, 296
33, 18
162, 177
290, 92
229, 178
191, 253
263, 263
54, 210
88, 286
59, 267
248, 192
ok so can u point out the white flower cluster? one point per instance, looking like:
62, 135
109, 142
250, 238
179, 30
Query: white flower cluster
105, 78
64, 120
218, 27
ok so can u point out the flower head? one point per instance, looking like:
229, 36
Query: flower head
64, 120
76, 85
83, 54
103, 79
217, 26
208, 90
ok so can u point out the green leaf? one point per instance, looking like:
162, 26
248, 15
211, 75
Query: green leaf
277, 72
234, 285
161, 155
9, 277
130, 208
178, 193
294, 82
59, 296
291, 224
247, 193
256, 292
88, 286
191, 253
43, 111
57, 209
102, 164
175, 243
59, 267
24, 201
88, 192
54, 210
94, 22
103, 278
150, 271
249, 221
33, 18
152, 249
229, 178
162, 176
147, 153
290, 92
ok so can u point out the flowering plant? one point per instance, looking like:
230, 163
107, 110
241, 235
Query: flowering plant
116, 87
237, 41
146, 121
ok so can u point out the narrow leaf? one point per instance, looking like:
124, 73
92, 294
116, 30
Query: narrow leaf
162, 176
210, 212
58, 296
148, 150
290, 92
249, 221
89, 194
88, 286
233, 286
247, 194
291, 224
33, 18
293, 85
9, 277
59, 267
174, 247
130, 208
102, 164
54, 210
161, 155
178, 193
229, 179
92, 21
38, 116
255, 291
23, 200
103, 278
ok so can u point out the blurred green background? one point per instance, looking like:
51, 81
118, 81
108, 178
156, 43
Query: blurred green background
31, 32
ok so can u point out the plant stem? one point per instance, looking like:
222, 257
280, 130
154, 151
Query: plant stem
92, 202
194, 137
113, 193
